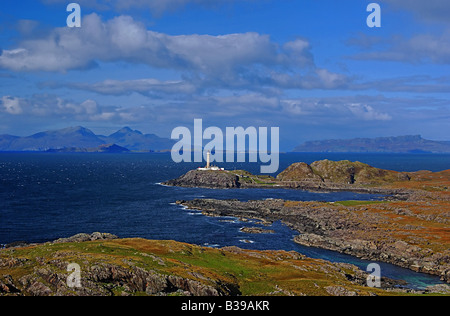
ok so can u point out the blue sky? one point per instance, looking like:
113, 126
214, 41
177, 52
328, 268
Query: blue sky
313, 68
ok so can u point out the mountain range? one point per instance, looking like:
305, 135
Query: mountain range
400, 144
81, 139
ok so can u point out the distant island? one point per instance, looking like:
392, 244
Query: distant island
100, 149
400, 144
81, 139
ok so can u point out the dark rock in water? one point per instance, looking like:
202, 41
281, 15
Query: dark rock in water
207, 179
256, 230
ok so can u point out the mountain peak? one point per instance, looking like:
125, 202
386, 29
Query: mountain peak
76, 129
125, 131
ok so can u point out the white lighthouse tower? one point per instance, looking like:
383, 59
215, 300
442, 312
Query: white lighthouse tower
208, 160
208, 164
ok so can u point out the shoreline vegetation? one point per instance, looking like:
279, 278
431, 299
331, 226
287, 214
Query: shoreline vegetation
409, 228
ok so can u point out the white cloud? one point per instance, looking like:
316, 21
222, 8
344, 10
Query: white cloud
368, 113
11, 105
149, 87
246, 61
50, 106
122, 38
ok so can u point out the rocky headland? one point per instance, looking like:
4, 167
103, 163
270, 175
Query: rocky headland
410, 228
321, 176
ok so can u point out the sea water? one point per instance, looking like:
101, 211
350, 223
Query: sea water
46, 196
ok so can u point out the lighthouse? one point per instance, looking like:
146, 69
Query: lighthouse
208, 164
208, 160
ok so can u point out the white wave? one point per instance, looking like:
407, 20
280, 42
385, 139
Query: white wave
211, 246
196, 213
163, 185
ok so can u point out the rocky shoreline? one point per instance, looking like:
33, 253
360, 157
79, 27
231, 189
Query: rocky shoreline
410, 230
351, 230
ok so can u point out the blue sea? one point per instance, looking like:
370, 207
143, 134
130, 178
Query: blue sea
46, 196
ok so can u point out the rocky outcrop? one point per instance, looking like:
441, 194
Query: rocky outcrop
206, 179
300, 172
340, 172
101, 280
86, 237
256, 230
48, 277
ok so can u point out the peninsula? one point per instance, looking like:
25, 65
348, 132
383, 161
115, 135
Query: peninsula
322, 175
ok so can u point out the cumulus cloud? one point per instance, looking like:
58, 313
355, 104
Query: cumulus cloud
123, 38
11, 105
148, 87
337, 108
232, 61
44, 105
368, 113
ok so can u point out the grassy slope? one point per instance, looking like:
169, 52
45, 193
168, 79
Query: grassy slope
253, 272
